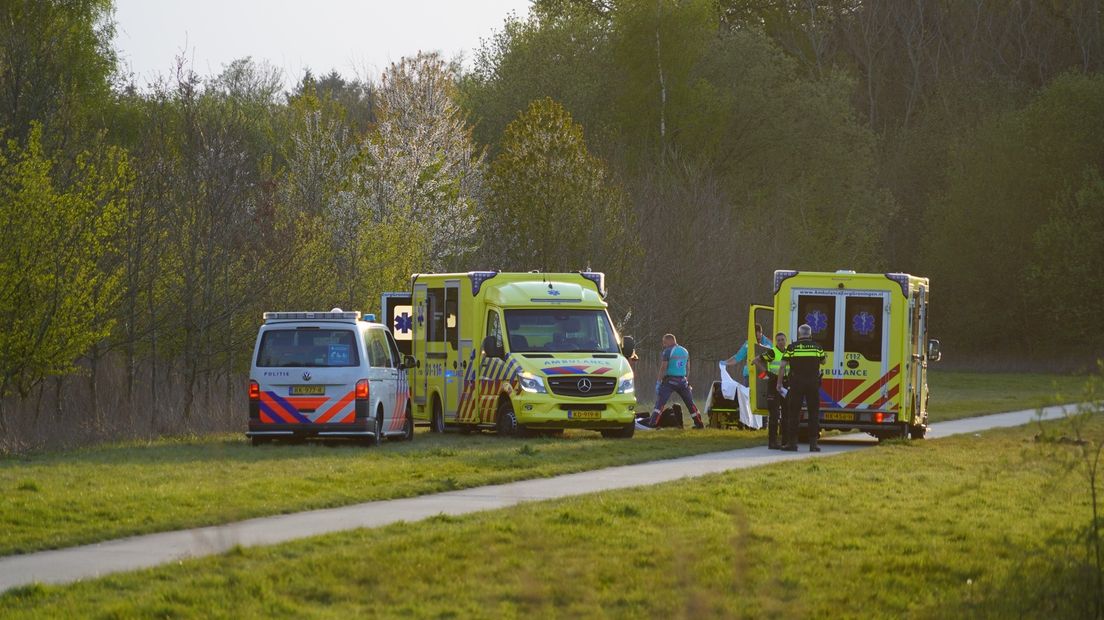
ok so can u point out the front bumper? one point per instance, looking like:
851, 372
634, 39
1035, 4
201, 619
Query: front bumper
547, 411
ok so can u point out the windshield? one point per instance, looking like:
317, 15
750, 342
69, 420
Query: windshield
555, 330
308, 348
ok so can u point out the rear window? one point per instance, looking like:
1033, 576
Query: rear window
308, 348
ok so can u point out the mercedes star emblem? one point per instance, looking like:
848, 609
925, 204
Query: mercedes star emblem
584, 385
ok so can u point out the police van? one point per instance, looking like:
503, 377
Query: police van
327, 374
873, 328
514, 353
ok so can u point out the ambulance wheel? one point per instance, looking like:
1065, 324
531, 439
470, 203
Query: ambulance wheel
918, 432
437, 422
625, 432
506, 424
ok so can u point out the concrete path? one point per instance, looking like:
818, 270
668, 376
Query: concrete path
90, 561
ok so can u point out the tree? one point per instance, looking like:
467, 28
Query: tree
53, 292
56, 65
553, 206
420, 164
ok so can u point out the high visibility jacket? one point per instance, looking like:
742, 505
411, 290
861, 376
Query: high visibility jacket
773, 359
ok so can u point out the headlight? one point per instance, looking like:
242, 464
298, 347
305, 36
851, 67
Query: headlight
625, 385
531, 383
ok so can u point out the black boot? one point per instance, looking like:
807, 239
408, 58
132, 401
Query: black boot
814, 448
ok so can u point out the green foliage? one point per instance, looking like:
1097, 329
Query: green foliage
1066, 264
56, 64
53, 291
1007, 181
553, 205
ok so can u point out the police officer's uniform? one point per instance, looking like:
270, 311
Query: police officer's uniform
776, 403
803, 358
676, 357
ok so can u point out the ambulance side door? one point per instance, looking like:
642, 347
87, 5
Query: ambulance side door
453, 378
757, 381
419, 378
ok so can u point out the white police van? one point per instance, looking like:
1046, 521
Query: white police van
327, 374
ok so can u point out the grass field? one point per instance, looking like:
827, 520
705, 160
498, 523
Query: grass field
64, 499
971, 526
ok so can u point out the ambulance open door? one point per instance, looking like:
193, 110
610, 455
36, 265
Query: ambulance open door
397, 313
757, 381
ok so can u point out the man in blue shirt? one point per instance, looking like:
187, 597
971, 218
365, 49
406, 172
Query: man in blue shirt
673, 378
741, 356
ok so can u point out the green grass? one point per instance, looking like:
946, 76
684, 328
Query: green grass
957, 395
88, 495
972, 526
63, 499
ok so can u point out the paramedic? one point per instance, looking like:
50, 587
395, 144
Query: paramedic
675, 366
770, 362
803, 359
741, 356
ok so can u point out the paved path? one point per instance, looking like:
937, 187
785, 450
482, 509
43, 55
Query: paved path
90, 561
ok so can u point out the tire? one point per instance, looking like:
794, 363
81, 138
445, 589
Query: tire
506, 424
917, 432
625, 432
437, 422
378, 439
408, 426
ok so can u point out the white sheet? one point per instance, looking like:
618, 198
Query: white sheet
730, 389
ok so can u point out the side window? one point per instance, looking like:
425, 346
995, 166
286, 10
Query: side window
383, 351
819, 312
863, 330
452, 325
494, 326
393, 346
435, 298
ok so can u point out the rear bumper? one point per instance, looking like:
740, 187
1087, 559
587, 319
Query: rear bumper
359, 428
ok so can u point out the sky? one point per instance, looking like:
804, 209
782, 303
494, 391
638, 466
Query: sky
358, 38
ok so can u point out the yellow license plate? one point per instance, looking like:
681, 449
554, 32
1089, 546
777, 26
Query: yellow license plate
836, 416
308, 390
584, 415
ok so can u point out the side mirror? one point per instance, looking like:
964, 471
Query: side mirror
408, 361
628, 346
935, 350
491, 347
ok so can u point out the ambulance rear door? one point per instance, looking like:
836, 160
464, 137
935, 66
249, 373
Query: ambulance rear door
852, 328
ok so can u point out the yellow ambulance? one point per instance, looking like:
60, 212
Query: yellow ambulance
873, 328
513, 352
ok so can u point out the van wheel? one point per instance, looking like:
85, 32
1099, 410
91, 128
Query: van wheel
918, 432
620, 433
506, 424
378, 438
437, 422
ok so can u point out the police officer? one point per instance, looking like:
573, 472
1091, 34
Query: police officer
803, 359
770, 362
673, 378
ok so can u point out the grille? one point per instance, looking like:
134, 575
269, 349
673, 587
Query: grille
569, 386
